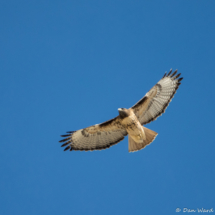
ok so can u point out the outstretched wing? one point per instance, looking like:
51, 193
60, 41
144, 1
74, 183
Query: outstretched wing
154, 103
95, 137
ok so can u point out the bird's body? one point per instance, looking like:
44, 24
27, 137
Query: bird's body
128, 122
133, 126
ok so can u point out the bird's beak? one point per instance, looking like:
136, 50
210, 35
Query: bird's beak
122, 112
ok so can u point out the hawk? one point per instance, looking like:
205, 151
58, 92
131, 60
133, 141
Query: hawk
128, 122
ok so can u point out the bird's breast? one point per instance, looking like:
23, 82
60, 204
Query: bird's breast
132, 125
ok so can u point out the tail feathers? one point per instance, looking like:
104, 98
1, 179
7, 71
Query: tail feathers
150, 136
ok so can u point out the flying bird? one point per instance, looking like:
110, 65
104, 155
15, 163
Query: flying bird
128, 122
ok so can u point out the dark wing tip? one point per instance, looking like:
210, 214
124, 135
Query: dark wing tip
65, 135
107, 122
174, 73
180, 79
64, 140
169, 72
177, 76
65, 144
164, 75
67, 148
67, 140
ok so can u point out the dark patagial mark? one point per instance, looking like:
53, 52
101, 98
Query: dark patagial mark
107, 122
140, 102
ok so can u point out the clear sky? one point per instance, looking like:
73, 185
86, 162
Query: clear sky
66, 65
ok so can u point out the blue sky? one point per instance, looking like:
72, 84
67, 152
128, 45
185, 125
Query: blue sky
66, 65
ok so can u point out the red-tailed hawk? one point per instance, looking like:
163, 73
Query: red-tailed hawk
128, 122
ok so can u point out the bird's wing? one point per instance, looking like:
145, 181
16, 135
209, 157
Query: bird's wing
154, 103
96, 137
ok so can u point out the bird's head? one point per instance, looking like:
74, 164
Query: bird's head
123, 112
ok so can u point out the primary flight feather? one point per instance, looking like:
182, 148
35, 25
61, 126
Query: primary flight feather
128, 122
